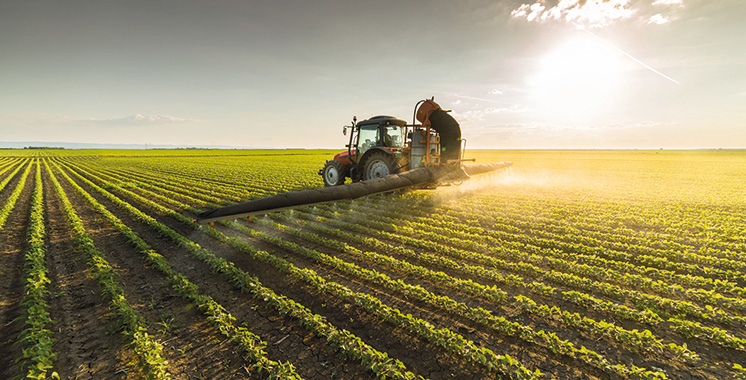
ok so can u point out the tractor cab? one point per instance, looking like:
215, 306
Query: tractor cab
379, 132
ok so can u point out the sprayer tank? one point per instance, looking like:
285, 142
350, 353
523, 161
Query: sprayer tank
419, 148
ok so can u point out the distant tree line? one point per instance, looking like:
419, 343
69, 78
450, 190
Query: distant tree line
43, 147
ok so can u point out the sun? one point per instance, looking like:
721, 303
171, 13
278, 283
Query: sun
576, 79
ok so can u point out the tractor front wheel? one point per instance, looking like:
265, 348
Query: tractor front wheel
333, 173
377, 165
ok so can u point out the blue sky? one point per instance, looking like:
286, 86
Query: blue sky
517, 74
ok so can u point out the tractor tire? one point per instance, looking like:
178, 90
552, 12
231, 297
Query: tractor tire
379, 164
333, 173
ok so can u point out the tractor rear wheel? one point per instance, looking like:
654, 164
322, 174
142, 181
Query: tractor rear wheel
377, 165
333, 173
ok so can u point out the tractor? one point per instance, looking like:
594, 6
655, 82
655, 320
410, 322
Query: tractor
384, 154
384, 145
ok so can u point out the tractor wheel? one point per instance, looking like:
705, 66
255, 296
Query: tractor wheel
333, 173
377, 165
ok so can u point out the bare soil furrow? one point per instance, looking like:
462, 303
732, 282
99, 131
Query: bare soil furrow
559, 255
339, 313
443, 320
286, 342
12, 250
86, 344
191, 346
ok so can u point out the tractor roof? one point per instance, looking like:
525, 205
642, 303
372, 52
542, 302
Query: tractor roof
384, 119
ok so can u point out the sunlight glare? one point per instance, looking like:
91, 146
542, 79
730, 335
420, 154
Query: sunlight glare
576, 79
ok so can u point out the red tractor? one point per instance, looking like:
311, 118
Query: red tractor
384, 145
384, 154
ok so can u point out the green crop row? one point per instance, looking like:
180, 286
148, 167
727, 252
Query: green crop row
574, 263
668, 262
523, 216
598, 251
10, 176
648, 221
646, 312
473, 353
175, 182
147, 349
480, 355
356, 235
455, 342
634, 340
6, 162
191, 168
585, 299
718, 336
570, 262
37, 340
637, 339
490, 293
349, 345
165, 186
217, 315
680, 304
479, 315
570, 259
548, 337
452, 342
613, 231
579, 276
10, 202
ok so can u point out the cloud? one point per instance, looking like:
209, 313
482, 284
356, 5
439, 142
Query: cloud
657, 19
668, 2
590, 13
597, 13
138, 119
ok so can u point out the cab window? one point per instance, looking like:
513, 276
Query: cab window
393, 136
367, 138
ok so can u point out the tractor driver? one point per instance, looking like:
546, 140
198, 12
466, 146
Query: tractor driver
366, 145
387, 139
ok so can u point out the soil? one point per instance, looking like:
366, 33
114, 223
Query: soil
90, 343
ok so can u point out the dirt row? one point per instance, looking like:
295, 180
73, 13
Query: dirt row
86, 332
12, 248
287, 341
90, 345
535, 357
416, 355
708, 351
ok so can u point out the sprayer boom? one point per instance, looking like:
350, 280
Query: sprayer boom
420, 177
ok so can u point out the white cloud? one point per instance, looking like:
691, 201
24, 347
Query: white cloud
657, 19
668, 2
596, 13
589, 13
139, 119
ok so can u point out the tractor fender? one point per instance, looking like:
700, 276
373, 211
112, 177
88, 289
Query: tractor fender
345, 158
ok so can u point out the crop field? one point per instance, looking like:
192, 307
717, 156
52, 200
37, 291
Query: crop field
571, 265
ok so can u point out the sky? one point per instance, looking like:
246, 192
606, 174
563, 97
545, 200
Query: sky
590, 74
